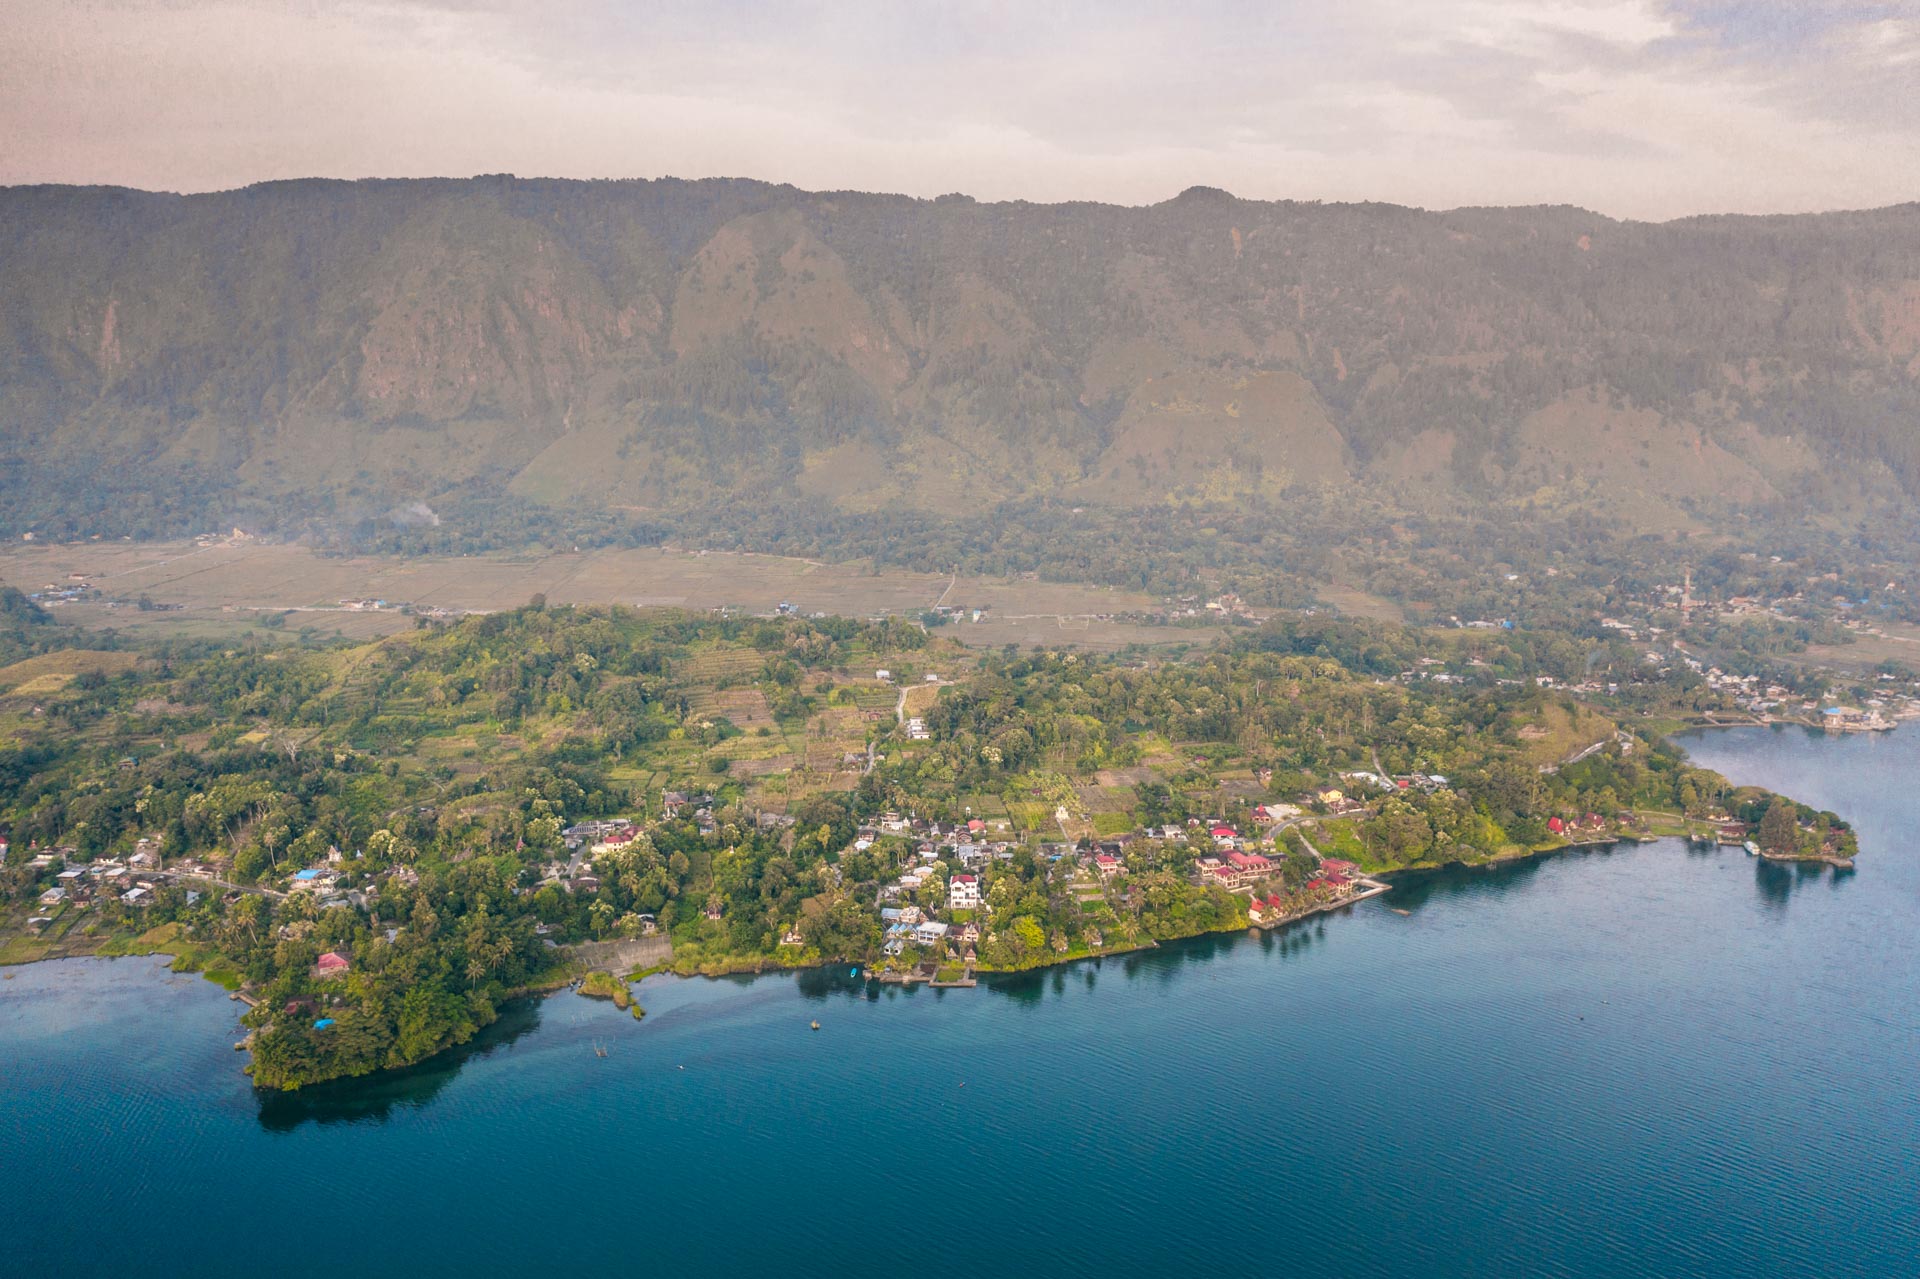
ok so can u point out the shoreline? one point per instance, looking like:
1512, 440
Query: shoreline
1831, 730
556, 983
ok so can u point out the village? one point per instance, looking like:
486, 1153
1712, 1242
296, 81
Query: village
935, 908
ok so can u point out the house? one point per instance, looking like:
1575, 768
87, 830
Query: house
929, 933
963, 892
136, 895
331, 964
53, 896
1555, 825
792, 937
1107, 864
1250, 866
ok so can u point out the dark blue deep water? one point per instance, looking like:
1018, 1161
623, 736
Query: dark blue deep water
1641, 1062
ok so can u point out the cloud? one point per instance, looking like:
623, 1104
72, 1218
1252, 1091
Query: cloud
1649, 108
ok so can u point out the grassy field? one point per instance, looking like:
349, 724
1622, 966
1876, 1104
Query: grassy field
220, 589
1889, 642
51, 672
1355, 602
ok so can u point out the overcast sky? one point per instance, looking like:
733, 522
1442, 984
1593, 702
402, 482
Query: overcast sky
1637, 108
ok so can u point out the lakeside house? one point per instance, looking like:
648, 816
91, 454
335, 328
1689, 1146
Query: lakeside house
1248, 867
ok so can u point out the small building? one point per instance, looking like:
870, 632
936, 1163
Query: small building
963, 892
331, 964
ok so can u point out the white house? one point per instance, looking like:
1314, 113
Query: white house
963, 892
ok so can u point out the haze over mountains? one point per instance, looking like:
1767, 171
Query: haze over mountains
652, 345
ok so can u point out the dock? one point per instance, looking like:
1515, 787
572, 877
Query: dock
1371, 887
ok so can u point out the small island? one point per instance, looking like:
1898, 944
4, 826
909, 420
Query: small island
375, 845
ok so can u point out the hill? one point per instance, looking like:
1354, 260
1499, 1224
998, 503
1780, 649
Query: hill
324, 355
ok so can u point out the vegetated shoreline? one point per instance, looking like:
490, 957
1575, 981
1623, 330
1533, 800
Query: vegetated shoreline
564, 977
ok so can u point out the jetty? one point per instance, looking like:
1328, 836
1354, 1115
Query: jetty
1368, 888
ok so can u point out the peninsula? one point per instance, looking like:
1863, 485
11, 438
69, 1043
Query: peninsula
375, 844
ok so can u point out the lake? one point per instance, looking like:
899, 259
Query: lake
1642, 1061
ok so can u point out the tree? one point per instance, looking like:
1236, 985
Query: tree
1780, 828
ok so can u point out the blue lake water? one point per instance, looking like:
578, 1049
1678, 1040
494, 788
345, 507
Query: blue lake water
1645, 1061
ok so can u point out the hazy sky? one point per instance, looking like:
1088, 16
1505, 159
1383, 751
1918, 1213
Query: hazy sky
1640, 108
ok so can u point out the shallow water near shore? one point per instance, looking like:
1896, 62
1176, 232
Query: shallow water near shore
1637, 1061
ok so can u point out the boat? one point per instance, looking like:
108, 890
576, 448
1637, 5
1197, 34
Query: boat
816, 1025
1753, 849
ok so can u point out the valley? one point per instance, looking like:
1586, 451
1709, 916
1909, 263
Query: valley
225, 586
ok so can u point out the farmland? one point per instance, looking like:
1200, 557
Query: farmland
218, 588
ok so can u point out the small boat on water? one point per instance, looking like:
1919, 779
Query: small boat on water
816, 1025
1753, 849
1398, 911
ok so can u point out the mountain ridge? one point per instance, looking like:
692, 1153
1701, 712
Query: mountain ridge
340, 347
